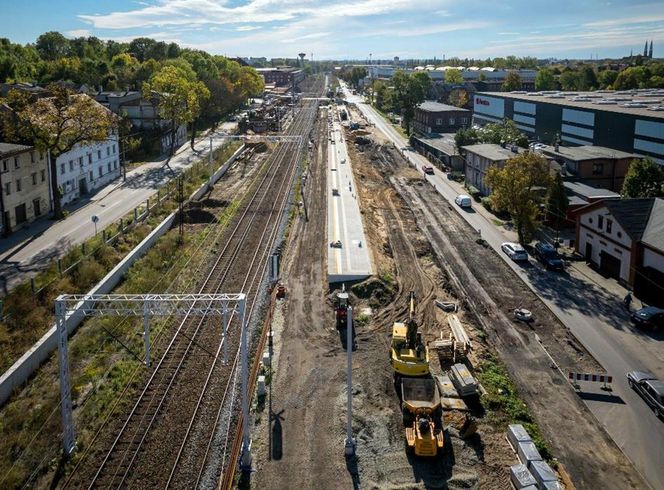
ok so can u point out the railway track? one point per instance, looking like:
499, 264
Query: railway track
256, 228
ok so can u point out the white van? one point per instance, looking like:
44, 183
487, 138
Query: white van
463, 201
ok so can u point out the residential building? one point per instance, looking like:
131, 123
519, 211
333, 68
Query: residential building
144, 116
439, 149
281, 76
434, 117
631, 121
624, 238
24, 186
480, 157
597, 166
87, 168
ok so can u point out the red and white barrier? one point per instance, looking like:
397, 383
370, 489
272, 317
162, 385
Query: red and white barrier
597, 378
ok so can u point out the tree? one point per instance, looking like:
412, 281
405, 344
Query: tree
570, 80
606, 78
453, 76
465, 137
512, 82
644, 178
588, 78
503, 132
52, 45
458, 97
557, 200
544, 80
513, 190
56, 124
180, 96
410, 91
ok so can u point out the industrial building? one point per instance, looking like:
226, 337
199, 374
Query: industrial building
434, 117
629, 121
281, 76
439, 149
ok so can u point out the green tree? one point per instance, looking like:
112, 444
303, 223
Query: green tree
512, 82
503, 132
180, 96
587, 78
453, 76
570, 80
409, 91
465, 137
606, 78
52, 45
513, 190
557, 200
630, 78
644, 178
544, 80
56, 124
458, 97
124, 67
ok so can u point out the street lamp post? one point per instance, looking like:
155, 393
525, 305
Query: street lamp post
349, 447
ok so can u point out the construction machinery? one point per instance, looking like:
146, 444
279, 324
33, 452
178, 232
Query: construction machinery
422, 416
409, 354
341, 309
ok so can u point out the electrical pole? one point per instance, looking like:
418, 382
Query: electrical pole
349, 447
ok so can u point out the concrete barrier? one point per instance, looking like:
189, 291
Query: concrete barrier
28, 363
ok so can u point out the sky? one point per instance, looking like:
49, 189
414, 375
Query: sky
356, 29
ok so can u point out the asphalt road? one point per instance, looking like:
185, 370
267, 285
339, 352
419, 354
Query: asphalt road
28, 251
594, 317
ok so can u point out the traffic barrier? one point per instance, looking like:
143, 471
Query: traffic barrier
597, 378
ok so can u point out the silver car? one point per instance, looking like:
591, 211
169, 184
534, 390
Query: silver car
514, 251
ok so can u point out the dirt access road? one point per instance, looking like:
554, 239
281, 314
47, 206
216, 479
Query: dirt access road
492, 291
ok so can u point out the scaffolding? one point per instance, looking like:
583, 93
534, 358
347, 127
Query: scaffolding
146, 305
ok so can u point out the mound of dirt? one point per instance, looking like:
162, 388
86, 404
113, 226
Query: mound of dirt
375, 291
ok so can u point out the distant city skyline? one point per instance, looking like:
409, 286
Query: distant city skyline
351, 29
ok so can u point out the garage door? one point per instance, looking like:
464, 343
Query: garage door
609, 264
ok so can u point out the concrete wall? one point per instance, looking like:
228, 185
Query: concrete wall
22, 369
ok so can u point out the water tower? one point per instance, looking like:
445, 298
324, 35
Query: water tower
302, 55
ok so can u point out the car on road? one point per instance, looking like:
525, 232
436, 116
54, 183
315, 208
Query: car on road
463, 201
514, 251
547, 254
428, 169
336, 244
650, 318
649, 388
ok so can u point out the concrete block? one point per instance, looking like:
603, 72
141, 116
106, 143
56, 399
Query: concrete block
521, 477
516, 434
528, 452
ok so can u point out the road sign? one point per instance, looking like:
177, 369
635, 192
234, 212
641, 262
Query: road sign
95, 218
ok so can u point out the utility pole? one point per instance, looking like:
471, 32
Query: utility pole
349, 447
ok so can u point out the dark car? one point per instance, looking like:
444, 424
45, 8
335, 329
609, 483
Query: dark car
547, 254
648, 318
649, 388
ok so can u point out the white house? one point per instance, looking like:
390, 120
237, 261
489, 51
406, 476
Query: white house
87, 168
624, 238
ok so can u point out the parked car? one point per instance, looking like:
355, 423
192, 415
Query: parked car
514, 251
428, 169
547, 254
649, 317
463, 201
649, 388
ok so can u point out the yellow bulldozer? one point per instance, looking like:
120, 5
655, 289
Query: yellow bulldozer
422, 416
409, 354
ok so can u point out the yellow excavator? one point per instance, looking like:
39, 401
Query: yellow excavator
410, 356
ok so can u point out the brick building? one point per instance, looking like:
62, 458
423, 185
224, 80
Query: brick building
434, 117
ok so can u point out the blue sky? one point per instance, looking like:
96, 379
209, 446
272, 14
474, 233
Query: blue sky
355, 28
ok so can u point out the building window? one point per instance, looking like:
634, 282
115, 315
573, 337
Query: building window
452, 121
598, 168
34, 178
8, 188
32, 157
439, 122
98, 154
115, 164
619, 234
62, 168
92, 177
18, 185
43, 175
109, 166
80, 162
113, 149
17, 163
90, 158
600, 222
71, 165
609, 223
4, 165
101, 171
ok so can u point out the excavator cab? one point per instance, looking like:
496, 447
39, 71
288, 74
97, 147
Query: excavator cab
341, 309
409, 354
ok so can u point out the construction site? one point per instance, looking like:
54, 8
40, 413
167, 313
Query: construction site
350, 263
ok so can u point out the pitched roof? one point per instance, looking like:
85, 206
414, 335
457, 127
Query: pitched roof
631, 214
9, 149
654, 232
433, 106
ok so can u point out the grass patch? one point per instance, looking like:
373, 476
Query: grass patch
503, 404
386, 276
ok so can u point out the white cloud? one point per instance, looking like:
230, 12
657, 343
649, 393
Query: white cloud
79, 33
246, 28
